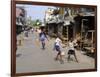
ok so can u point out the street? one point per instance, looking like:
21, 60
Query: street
31, 58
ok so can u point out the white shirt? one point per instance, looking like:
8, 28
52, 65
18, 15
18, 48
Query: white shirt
71, 45
58, 42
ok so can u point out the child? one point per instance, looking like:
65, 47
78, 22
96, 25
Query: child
32, 30
43, 37
71, 50
57, 47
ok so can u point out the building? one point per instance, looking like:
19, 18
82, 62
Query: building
53, 21
20, 19
80, 25
74, 18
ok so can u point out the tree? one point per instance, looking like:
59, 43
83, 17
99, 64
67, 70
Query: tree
36, 22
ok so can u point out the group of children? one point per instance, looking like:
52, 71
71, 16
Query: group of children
57, 46
60, 53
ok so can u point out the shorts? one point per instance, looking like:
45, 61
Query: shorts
71, 52
42, 39
75, 46
57, 48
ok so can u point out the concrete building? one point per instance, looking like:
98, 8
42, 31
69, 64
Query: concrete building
20, 19
80, 25
53, 21
74, 18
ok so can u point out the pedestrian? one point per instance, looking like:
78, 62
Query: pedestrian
32, 30
43, 38
20, 39
57, 47
26, 33
71, 50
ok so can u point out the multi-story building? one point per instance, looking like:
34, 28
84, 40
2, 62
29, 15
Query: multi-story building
53, 21
20, 19
74, 18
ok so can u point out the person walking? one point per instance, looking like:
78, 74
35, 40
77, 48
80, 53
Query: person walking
32, 30
26, 33
43, 37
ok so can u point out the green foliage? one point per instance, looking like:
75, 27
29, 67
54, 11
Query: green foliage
36, 22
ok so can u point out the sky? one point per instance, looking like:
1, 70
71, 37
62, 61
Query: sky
35, 11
